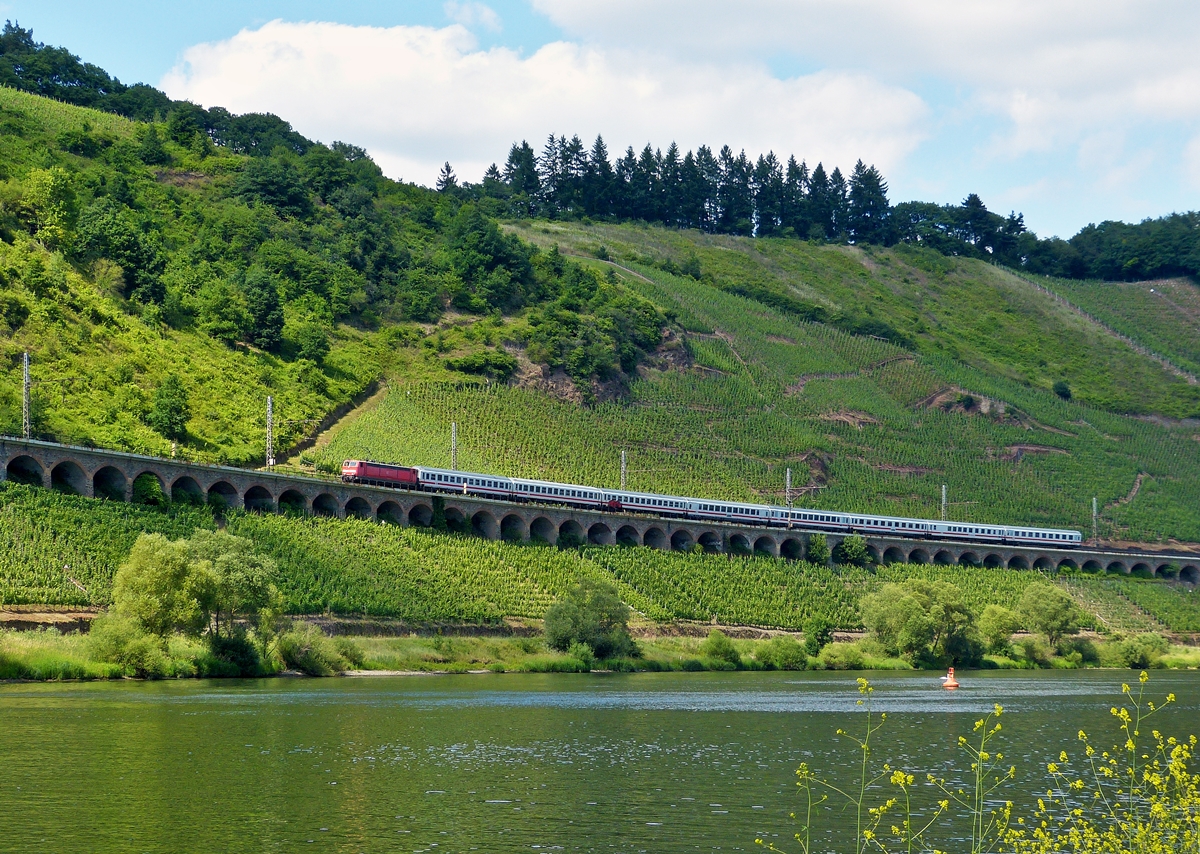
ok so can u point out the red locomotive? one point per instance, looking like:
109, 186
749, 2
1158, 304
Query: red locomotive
379, 474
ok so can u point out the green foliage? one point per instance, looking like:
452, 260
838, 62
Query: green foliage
718, 647
783, 652
925, 621
1050, 611
818, 632
124, 642
171, 411
590, 613
156, 589
996, 627
852, 551
818, 549
190, 585
306, 648
841, 656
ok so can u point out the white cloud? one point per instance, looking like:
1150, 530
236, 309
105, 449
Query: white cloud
1055, 71
417, 96
472, 14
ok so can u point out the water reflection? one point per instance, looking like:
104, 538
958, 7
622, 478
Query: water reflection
654, 762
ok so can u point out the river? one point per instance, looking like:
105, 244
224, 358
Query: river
641, 762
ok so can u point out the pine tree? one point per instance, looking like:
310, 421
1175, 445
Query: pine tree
868, 220
266, 314
446, 180
598, 181
520, 173
819, 205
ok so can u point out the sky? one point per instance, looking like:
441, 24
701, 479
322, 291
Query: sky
1070, 111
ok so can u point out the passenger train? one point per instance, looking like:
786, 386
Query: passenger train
428, 479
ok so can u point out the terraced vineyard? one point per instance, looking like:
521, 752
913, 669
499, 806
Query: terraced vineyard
359, 567
863, 423
1163, 316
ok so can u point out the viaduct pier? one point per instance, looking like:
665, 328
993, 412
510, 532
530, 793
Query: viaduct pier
110, 475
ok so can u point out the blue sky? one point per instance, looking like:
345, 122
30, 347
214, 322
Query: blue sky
1069, 111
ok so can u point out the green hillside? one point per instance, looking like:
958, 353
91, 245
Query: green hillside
130, 251
64, 550
863, 422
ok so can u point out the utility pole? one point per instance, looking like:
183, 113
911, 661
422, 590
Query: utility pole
943, 502
622, 471
270, 432
25, 427
454, 445
1095, 522
787, 494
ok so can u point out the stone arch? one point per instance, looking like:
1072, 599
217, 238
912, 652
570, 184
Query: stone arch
390, 513
681, 540
600, 535
512, 529
993, 560
1167, 570
570, 534
1092, 566
68, 477
293, 503
1044, 563
968, 559
148, 488
944, 558
710, 541
1190, 574
656, 539
894, 555
627, 535
542, 530
259, 498
185, 490
109, 482
873, 554
359, 508
1067, 564
325, 505
739, 544
484, 524
420, 516
1018, 562
1141, 570
456, 520
1117, 567
222, 494
918, 556
25, 469
766, 546
791, 549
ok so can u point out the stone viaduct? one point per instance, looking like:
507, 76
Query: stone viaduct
111, 475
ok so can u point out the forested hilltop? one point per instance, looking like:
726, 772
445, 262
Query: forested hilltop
728, 193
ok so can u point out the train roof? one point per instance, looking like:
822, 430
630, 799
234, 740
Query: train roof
627, 493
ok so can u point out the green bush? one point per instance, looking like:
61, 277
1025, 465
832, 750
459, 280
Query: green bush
590, 613
718, 648
818, 550
852, 551
123, 642
818, 632
582, 653
783, 652
841, 656
306, 648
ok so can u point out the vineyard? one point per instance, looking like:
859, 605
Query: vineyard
1163, 316
63, 550
863, 424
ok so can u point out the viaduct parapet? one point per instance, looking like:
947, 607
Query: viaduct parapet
111, 475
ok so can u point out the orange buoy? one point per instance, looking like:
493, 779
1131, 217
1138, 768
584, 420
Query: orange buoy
948, 681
